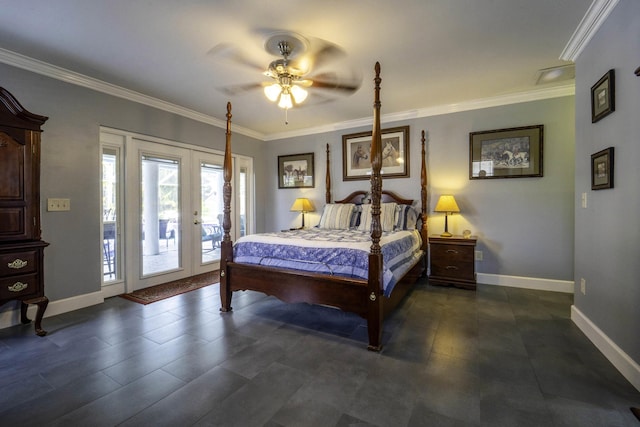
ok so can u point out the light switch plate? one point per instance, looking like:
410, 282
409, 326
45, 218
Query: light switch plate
58, 205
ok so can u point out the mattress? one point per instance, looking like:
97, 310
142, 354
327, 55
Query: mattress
333, 252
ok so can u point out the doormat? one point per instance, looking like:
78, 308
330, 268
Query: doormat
167, 290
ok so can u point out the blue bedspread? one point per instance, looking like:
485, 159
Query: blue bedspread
335, 252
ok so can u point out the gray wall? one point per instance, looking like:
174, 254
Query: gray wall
524, 225
607, 238
71, 161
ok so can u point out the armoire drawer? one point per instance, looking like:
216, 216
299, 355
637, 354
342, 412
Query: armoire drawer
15, 263
19, 286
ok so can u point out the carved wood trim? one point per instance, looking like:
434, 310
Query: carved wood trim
327, 182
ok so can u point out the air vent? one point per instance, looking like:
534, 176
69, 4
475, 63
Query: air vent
556, 74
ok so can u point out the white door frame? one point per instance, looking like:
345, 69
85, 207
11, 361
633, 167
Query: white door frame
130, 226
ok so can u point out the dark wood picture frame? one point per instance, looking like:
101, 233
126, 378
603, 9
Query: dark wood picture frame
296, 171
603, 96
506, 153
602, 169
356, 158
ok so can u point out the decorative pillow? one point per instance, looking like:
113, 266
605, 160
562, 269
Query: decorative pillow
336, 216
387, 217
355, 217
407, 217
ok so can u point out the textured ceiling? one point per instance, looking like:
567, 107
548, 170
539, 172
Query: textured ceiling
433, 53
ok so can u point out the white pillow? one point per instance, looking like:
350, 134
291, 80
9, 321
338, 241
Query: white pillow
387, 217
336, 216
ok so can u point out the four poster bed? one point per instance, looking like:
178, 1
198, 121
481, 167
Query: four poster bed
365, 269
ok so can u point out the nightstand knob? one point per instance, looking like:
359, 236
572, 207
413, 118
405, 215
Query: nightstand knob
452, 251
451, 267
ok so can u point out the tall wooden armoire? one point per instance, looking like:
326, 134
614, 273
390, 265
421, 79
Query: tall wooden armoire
21, 247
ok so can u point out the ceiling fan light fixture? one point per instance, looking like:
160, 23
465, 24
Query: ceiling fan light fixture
272, 92
299, 94
285, 100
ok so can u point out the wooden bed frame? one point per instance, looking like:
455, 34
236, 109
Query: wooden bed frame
363, 297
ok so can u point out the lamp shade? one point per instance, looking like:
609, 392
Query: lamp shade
446, 203
302, 205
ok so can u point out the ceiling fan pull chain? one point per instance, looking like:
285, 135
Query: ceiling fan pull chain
286, 116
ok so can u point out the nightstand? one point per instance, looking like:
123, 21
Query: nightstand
452, 261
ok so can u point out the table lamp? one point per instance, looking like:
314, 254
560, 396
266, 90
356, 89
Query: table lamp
302, 205
448, 205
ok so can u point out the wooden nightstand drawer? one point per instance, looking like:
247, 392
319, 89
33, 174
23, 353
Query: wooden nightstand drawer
452, 261
452, 253
453, 270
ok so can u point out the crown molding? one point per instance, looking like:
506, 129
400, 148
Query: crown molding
62, 74
478, 104
58, 73
591, 22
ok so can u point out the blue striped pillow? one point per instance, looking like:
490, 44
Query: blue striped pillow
355, 217
407, 217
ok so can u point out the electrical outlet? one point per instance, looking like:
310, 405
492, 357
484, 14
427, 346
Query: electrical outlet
584, 200
583, 286
58, 205
479, 255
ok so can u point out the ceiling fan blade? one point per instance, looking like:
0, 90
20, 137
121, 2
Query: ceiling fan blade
228, 52
303, 83
331, 80
321, 54
347, 87
240, 89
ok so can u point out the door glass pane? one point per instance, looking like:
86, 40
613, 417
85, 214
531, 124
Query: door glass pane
160, 225
110, 197
211, 182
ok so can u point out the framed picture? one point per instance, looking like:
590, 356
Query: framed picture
296, 171
602, 169
356, 154
603, 99
506, 153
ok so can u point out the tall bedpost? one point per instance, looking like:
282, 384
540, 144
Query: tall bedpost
423, 196
226, 245
327, 183
374, 316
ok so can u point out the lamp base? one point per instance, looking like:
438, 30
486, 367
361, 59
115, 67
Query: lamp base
446, 234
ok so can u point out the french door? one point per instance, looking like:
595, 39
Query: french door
172, 226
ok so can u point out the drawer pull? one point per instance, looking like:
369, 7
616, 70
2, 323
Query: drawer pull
451, 267
17, 264
17, 287
452, 251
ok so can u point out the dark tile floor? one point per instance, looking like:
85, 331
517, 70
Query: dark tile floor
495, 357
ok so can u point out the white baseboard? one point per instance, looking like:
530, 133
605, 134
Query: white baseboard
12, 317
564, 286
618, 358
111, 290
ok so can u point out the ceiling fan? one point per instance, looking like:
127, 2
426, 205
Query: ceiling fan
303, 65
